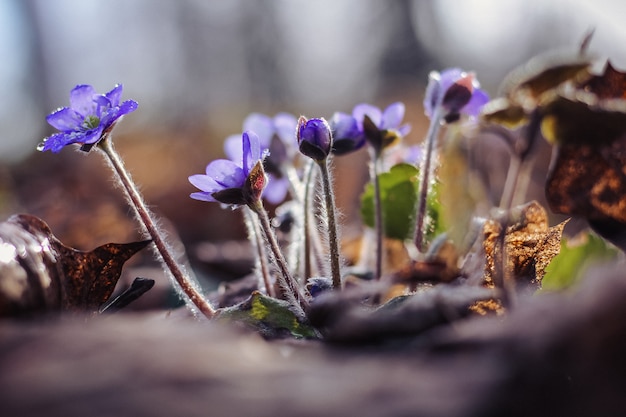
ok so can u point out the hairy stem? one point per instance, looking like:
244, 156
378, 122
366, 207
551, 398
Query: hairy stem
308, 180
520, 164
186, 283
288, 284
312, 244
426, 170
256, 237
378, 214
333, 237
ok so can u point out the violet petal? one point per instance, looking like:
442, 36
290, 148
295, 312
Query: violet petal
374, 113
233, 149
226, 173
392, 116
204, 183
476, 103
285, 126
115, 95
203, 196
65, 119
262, 125
81, 100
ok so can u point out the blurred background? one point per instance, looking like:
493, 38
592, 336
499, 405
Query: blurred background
197, 68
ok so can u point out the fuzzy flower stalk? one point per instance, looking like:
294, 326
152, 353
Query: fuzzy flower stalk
449, 95
315, 141
241, 183
380, 129
88, 121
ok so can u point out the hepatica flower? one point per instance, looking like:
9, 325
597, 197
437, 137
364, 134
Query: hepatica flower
234, 183
275, 134
88, 119
347, 136
455, 92
350, 132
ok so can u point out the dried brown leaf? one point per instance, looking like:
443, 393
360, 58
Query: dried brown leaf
611, 84
530, 245
40, 274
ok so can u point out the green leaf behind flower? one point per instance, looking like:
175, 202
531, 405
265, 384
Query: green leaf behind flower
575, 257
398, 192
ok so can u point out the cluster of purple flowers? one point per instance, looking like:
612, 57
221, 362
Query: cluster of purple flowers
349, 132
260, 163
271, 140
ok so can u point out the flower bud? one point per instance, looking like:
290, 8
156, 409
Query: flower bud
255, 183
314, 138
454, 92
458, 94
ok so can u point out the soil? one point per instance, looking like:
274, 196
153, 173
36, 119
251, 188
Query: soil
552, 355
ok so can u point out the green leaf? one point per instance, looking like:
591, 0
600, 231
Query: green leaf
271, 317
575, 257
398, 193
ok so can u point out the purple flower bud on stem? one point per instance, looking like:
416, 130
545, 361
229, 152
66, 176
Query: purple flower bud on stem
456, 92
314, 138
448, 95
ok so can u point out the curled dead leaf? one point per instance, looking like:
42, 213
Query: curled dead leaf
587, 177
39, 274
610, 84
530, 245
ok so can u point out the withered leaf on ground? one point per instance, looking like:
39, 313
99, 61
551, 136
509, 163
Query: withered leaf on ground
271, 317
343, 319
40, 274
138, 288
530, 245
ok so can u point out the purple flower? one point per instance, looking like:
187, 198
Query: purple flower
276, 135
314, 138
347, 137
456, 92
381, 129
349, 133
88, 119
390, 118
230, 182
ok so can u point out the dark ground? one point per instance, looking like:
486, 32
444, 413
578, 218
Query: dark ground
554, 355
